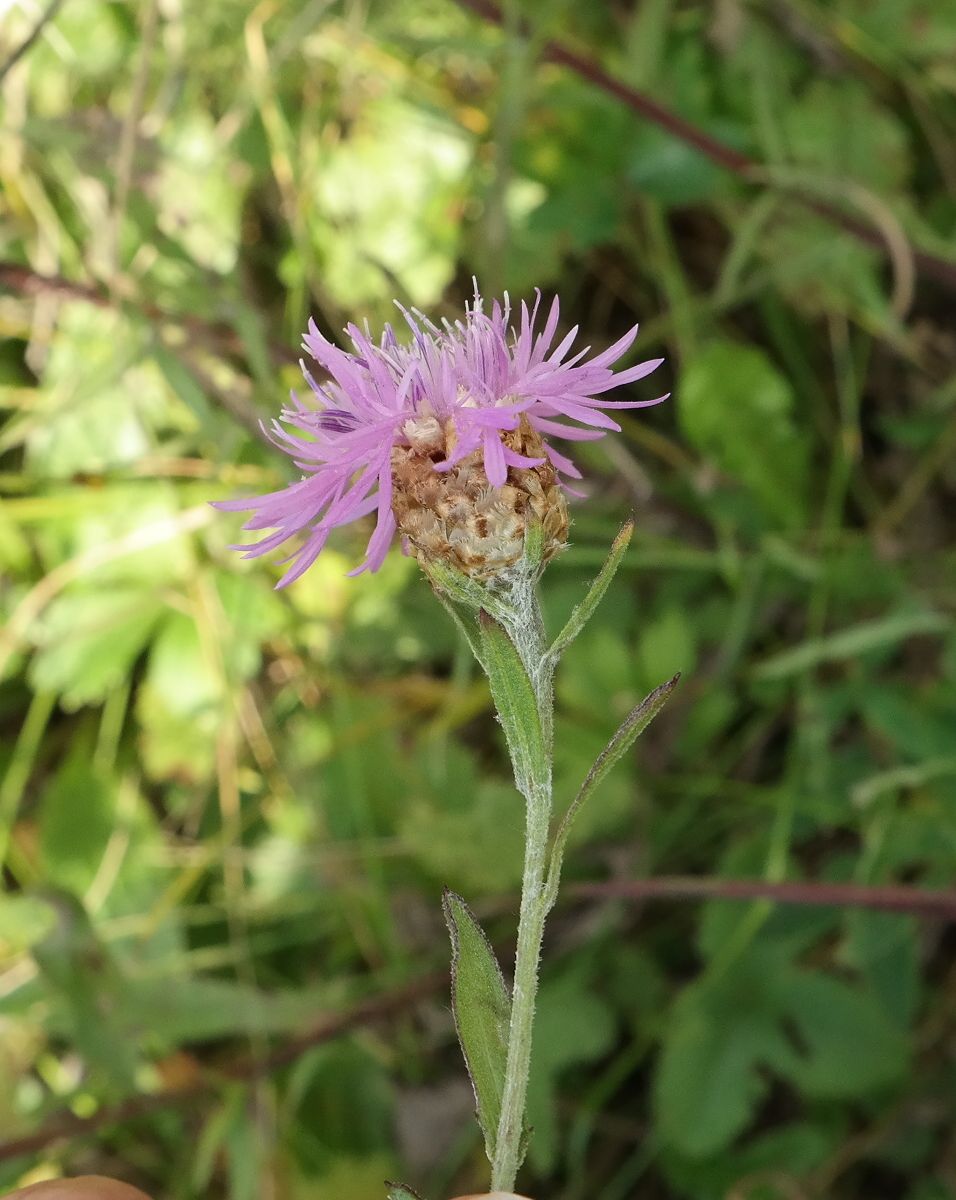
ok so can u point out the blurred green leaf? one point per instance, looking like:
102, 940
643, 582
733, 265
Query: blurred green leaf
828, 1037
87, 642
847, 1045
77, 817
24, 920
737, 409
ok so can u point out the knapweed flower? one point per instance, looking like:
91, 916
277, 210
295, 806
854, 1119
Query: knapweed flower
447, 439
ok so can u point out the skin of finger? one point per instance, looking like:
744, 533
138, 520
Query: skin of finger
85, 1187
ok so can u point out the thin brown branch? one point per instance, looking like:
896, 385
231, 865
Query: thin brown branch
18, 52
918, 902
214, 334
368, 1012
725, 156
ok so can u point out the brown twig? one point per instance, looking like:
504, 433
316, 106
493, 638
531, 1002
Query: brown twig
738, 163
18, 52
214, 334
366, 1013
918, 902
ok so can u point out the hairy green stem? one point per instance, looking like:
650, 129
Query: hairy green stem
527, 632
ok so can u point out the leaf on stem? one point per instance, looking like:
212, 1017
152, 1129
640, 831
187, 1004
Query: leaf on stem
634, 724
582, 612
399, 1191
482, 1009
515, 702
460, 588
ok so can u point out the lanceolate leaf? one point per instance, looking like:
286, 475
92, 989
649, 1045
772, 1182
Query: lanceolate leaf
482, 1009
515, 702
399, 1191
460, 587
632, 727
583, 611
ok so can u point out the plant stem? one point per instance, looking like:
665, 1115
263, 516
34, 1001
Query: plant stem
529, 638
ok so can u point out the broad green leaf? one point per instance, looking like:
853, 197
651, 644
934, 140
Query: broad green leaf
24, 920
816, 125
669, 170
885, 949
404, 230
847, 1044
480, 844
515, 702
88, 640
708, 1080
633, 726
482, 1009
179, 704
183, 383
583, 612
341, 1105
829, 1038
802, 1144
77, 817
738, 410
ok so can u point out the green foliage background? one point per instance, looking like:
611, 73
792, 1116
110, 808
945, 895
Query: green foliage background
226, 813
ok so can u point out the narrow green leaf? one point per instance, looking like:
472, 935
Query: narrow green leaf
582, 612
634, 724
482, 1009
460, 588
467, 633
849, 643
400, 1191
514, 700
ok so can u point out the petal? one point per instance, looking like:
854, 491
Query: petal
514, 459
494, 458
564, 464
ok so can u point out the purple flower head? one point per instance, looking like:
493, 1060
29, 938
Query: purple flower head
455, 391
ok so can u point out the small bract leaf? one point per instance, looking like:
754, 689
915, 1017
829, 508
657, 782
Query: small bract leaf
515, 702
631, 728
400, 1191
482, 1009
583, 611
460, 588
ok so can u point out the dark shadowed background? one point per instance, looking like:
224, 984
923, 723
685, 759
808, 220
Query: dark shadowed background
226, 813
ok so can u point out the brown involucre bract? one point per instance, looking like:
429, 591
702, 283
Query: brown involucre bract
458, 517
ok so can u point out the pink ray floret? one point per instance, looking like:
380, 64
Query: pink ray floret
477, 376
